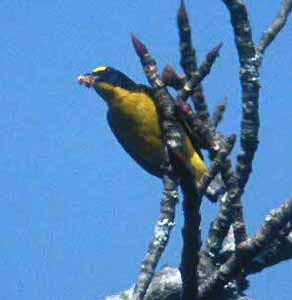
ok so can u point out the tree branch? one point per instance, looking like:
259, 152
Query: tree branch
247, 250
280, 21
279, 250
161, 235
191, 234
249, 79
189, 61
232, 209
219, 112
198, 75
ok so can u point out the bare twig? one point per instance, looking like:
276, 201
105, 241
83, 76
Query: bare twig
189, 61
219, 112
201, 131
198, 75
280, 21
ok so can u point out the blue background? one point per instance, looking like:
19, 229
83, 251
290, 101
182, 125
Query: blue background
76, 212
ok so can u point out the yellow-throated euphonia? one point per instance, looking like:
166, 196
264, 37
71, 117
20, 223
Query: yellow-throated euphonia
133, 119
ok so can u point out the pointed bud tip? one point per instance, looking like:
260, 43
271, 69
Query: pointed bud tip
232, 139
169, 68
223, 104
168, 72
214, 53
220, 45
140, 48
217, 48
182, 14
182, 5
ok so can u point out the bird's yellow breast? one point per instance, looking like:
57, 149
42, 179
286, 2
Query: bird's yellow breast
134, 116
139, 122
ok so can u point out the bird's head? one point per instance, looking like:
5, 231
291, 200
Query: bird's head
108, 82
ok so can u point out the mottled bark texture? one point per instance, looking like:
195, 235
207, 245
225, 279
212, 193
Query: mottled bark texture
189, 61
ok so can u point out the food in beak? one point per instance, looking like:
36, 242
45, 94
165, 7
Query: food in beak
86, 80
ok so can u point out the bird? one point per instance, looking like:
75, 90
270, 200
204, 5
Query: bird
133, 119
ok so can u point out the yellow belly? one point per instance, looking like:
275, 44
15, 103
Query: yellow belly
135, 119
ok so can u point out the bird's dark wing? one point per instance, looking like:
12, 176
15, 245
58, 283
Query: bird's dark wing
119, 132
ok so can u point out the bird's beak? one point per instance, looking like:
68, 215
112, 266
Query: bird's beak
88, 80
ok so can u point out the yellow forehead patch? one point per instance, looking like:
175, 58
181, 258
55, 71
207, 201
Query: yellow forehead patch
99, 69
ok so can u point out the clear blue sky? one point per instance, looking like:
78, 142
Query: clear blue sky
76, 212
